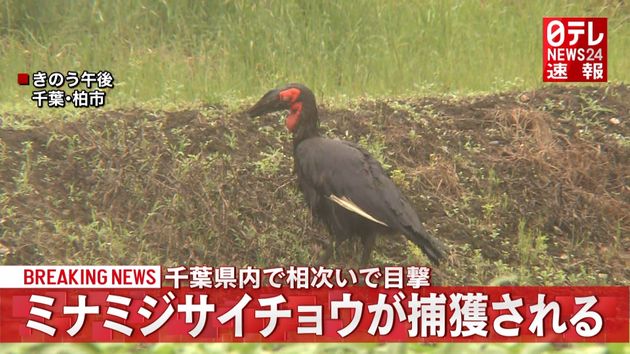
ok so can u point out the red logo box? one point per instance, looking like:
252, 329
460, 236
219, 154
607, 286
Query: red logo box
575, 49
23, 79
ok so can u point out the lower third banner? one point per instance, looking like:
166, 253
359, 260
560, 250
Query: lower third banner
353, 314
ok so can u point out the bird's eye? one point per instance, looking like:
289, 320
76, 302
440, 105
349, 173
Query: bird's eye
289, 95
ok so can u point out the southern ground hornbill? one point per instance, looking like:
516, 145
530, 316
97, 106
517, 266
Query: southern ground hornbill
342, 183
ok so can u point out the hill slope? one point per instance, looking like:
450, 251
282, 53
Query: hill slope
534, 186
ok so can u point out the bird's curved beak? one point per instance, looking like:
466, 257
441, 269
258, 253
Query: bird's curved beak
270, 102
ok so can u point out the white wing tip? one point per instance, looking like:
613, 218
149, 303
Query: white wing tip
349, 205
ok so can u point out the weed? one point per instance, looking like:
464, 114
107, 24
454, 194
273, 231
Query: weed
22, 181
376, 147
185, 52
270, 162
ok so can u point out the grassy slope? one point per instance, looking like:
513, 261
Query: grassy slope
329, 348
165, 51
524, 187
184, 51
528, 185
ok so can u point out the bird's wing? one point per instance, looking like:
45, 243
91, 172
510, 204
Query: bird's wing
349, 176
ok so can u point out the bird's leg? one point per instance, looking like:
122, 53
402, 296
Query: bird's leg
368, 245
334, 232
328, 253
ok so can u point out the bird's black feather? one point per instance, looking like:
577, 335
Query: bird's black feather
342, 183
328, 166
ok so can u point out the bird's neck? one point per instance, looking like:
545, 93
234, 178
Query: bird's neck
309, 124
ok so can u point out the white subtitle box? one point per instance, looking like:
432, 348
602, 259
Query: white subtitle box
80, 276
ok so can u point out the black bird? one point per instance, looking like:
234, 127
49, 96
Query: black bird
342, 183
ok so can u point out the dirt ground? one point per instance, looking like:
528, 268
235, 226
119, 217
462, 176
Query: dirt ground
525, 187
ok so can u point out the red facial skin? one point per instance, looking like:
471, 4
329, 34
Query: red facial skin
291, 95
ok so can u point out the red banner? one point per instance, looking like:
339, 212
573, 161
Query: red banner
352, 314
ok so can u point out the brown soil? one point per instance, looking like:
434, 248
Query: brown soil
191, 187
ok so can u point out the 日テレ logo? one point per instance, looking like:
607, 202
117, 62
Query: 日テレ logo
575, 49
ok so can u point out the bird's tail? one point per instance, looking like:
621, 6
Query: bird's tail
431, 246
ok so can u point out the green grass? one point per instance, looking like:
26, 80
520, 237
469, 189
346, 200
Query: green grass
205, 186
181, 51
172, 54
312, 348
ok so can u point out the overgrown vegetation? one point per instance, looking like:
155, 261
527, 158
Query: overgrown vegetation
312, 348
180, 51
528, 188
